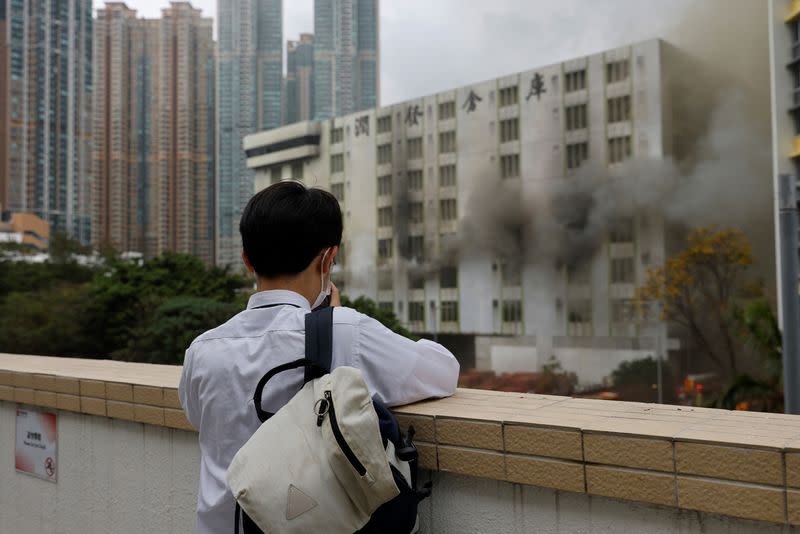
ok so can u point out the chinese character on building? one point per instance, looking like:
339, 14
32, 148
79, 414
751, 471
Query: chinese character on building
537, 87
362, 125
413, 113
471, 102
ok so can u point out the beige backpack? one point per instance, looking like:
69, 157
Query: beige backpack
328, 459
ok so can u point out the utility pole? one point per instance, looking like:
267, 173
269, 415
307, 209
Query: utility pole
659, 371
787, 217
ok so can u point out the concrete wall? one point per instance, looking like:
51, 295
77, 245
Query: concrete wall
113, 476
123, 477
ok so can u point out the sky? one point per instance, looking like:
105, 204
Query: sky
429, 46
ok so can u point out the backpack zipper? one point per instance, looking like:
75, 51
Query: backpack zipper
337, 433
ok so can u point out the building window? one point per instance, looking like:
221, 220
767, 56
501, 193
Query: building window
575, 81
384, 154
414, 148
447, 209
415, 181
619, 149
510, 274
509, 130
577, 153
385, 248
621, 230
617, 71
575, 117
447, 176
509, 96
447, 142
619, 109
579, 317
448, 278
337, 135
447, 110
386, 306
337, 190
385, 124
385, 216
578, 275
297, 171
512, 311
416, 312
416, 247
449, 311
622, 271
509, 166
416, 281
385, 282
623, 311
337, 163
385, 185
415, 212
275, 175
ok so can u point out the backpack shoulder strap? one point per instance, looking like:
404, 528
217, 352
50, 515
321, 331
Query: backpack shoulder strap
319, 342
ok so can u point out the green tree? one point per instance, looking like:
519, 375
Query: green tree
164, 336
125, 294
386, 317
759, 330
45, 322
642, 371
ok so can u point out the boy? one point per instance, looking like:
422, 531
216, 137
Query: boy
290, 237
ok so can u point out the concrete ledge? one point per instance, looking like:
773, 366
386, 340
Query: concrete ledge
737, 464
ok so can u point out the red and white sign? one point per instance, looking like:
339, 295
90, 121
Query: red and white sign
37, 443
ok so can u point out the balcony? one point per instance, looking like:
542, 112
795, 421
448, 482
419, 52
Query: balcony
499, 462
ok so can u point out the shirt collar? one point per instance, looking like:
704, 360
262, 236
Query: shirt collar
278, 296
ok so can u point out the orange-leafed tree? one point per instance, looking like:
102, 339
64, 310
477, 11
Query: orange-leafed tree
698, 289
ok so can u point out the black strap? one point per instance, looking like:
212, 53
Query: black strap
319, 350
319, 341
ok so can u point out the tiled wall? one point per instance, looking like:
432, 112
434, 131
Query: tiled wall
737, 464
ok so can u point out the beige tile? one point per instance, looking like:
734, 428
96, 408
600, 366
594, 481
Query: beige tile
93, 388
71, 403
655, 454
93, 406
793, 470
478, 435
793, 506
730, 498
148, 395
119, 392
470, 462
543, 441
6, 378
544, 472
152, 415
70, 386
6, 393
120, 410
732, 463
176, 419
631, 485
44, 382
22, 380
427, 456
45, 398
171, 399
423, 426
23, 395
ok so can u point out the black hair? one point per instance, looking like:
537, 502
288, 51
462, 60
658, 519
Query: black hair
286, 225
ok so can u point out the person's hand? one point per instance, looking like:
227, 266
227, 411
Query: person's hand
335, 298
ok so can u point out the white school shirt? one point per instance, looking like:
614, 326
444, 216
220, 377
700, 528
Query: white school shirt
222, 367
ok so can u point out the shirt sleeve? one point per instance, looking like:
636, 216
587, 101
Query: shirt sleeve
399, 370
188, 390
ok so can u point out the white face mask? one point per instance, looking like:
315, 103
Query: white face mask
325, 289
